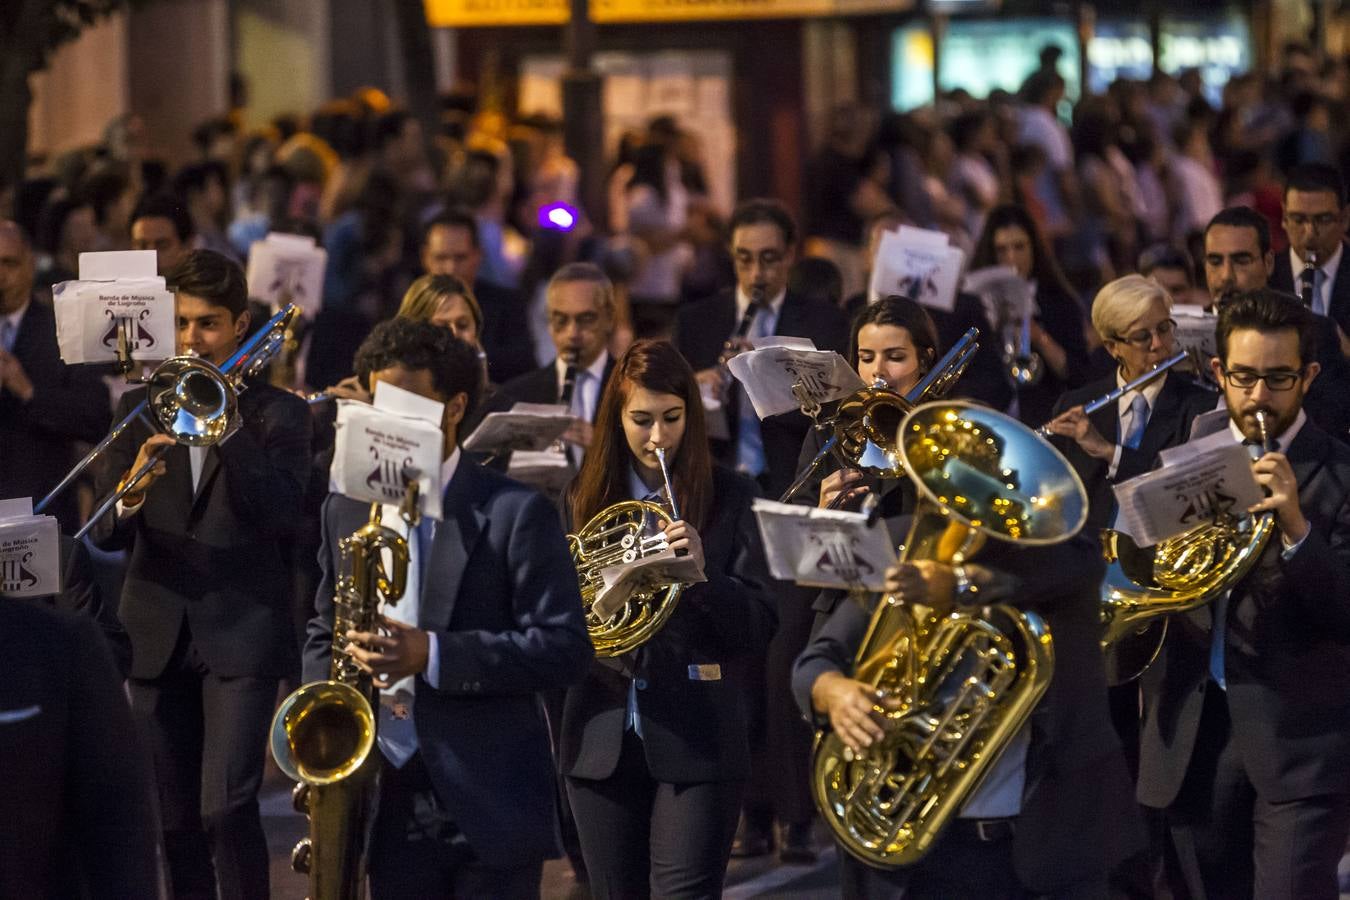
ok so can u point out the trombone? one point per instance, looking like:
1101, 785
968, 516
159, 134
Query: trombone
189, 399
865, 423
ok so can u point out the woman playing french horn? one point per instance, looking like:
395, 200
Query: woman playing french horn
654, 741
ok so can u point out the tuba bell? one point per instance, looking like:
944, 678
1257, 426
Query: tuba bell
323, 734
1144, 585
964, 681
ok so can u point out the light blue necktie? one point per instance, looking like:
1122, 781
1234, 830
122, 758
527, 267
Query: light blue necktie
1138, 422
1319, 279
7, 334
1218, 629
749, 441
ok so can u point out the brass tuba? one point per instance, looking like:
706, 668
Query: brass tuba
966, 680
1144, 585
324, 732
621, 534
865, 423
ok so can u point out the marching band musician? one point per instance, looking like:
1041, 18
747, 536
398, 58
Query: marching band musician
1133, 317
1247, 711
1055, 813
894, 341
655, 742
491, 617
209, 635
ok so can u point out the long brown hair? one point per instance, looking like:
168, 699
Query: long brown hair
603, 480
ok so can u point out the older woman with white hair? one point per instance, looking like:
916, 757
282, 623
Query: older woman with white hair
1133, 317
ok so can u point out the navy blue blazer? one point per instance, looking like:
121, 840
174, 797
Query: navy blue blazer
691, 676
500, 593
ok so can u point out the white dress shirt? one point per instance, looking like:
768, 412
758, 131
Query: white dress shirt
1322, 294
397, 733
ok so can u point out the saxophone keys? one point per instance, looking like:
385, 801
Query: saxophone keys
301, 856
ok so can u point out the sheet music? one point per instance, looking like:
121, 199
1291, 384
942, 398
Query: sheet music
662, 567
1195, 486
526, 426
769, 374
30, 551
90, 315
918, 264
548, 470
824, 548
373, 450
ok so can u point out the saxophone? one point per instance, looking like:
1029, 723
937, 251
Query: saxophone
323, 733
962, 682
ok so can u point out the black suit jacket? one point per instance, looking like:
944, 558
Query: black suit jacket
539, 386
1328, 400
214, 558
80, 594
1077, 818
1287, 655
1169, 424
505, 339
701, 332
694, 729
1285, 279
77, 794
70, 403
500, 593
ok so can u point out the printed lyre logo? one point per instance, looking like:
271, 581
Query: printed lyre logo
839, 558
288, 280
14, 573
137, 337
920, 284
386, 477
811, 377
1205, 505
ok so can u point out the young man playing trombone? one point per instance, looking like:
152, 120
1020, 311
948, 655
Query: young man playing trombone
205, 599
1247, 710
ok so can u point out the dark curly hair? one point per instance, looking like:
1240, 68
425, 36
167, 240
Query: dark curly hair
415, 345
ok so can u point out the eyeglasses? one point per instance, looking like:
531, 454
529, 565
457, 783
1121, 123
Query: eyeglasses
1279, 380
1143, 337
1302, 220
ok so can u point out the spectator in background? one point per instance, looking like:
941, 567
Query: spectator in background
1194, 182
66, 228
1038, 124
817, 280
161, 223
1310, 140
980, 170
1171, 269
204, 188
844, 189
657, 205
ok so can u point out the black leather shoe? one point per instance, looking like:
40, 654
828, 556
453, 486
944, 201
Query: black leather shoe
751, 840
796, 847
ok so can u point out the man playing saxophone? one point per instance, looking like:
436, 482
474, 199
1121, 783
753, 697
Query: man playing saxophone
491, 615
1054, 813
1247, 710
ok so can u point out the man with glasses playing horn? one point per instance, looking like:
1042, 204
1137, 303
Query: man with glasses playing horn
1247, 711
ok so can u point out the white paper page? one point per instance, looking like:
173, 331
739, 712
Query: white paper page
394, 399
373, 450
30, 556
824, 548
1170, 501
106, 265
769, 375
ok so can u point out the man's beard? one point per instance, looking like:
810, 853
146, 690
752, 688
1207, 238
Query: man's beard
1276, 425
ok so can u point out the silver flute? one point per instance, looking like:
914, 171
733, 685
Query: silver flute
1156, 372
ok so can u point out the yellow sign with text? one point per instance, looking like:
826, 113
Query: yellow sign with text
483, 13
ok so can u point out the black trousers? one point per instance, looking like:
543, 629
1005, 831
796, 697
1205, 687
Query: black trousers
207, 737
1232, 843
417, 851
960, 864
647, 838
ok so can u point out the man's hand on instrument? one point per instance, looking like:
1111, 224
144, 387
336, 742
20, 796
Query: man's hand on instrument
153, 448
681, 536
1075, 424
711, 383
398, 650
350, 388
921, 581
852, 709
845, 481
1274, 473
